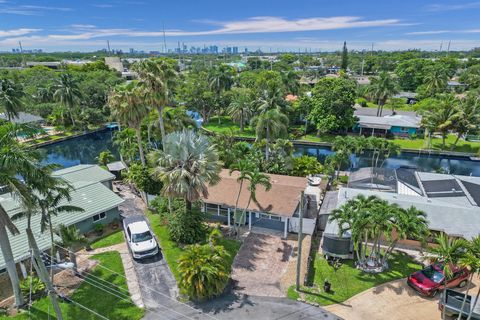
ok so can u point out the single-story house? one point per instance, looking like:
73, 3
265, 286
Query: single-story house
276, 209
410, 97
91, 192
397, 125
22, 118
451, 203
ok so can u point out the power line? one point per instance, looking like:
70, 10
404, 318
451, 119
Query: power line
115, 292
151, 289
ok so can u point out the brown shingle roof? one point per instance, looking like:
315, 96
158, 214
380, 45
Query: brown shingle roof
282, 199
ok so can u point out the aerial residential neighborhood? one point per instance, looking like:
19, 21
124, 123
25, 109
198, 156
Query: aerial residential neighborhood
256, 160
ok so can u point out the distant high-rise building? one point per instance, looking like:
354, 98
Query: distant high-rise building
235, 50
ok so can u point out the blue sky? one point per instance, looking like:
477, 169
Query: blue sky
266, 24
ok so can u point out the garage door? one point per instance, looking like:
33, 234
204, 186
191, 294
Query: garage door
267, 221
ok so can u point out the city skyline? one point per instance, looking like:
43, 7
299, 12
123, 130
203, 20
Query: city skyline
267, 25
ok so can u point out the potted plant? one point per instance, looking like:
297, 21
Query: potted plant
115, 224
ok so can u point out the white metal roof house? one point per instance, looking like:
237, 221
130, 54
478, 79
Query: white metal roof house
90, 192
451, 202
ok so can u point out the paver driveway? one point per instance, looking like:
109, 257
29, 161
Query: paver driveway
260, 264
394, 301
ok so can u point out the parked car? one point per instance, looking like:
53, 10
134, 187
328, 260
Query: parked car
140, 238
453, 304
429, 281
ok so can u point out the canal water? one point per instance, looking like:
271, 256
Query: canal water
85, 150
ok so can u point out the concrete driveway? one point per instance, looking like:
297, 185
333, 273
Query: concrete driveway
260, 264
394, 301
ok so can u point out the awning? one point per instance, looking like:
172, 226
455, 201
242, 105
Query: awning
375, 126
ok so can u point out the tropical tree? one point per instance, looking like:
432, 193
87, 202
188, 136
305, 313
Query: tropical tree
11, 95
381, 88
344, 64
221, 78
244, 167
272, 97
204, 271
21, 172
467, 118
240, 108
158, 77
471, 261
127, 144
186, 166
447, 252
105, 157
132, 110
436, 78
291, 81
270, 125
442, 117
71, 239
68, 94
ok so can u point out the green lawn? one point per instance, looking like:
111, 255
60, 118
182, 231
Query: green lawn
348, 281
108, 240
95, 299
417, 144
172, 251
227, 126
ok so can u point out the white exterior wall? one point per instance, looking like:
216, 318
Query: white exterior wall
308, 225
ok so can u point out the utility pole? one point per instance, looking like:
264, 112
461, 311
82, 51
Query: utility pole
300, 236
43, 274
108, 46
164, 38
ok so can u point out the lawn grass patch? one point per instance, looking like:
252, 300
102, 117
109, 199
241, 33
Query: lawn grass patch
172, 250
108, 240
348, 281
93, 298
227, 126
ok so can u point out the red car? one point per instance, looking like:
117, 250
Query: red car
429, 281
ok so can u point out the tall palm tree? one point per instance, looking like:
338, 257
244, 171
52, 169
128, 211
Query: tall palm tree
220, 78
244, 167
436, 79
240, 108
126, 141
20, 172
442, 118
132, 110
68, 94
255, 178
291, 81
271, 98
448, 252
471, 261
72, 239
159, 78
11, 95
270, 125
381, 88
186, 166
467, 117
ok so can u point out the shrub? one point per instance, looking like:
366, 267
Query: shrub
362, 102
159, 205
306, 165
141, 177
204, 271
105, 157
186, 227
38, 287
98, 228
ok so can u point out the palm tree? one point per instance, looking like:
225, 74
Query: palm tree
244, 168
158, 78
270, 125
471, 260
220, 78
436, 79
68, 93
11, 98
132, 110
448, 252
20, 172
442, 118
127, 143
204, 271
72, 239
186, 166
291, 82
271, 98
240, 108
255, 178
382, 88
467, 117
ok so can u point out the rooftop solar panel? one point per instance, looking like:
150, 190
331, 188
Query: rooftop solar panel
443, 188
474, 190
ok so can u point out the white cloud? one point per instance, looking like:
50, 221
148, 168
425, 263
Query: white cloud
30, 10
17, 32
450, 7
103, 5
431, 32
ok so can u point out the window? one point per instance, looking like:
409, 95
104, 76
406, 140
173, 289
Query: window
140, 237
99, 217
264, 216
277, 218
